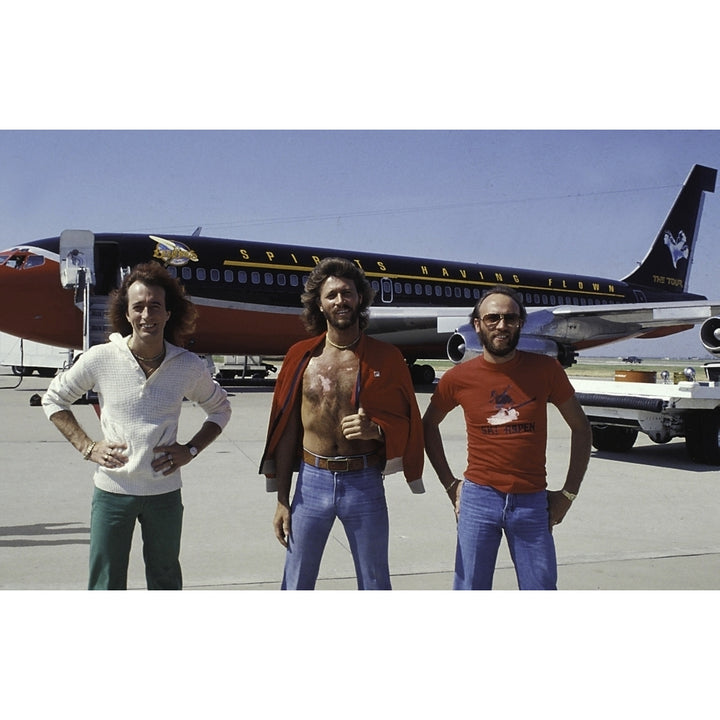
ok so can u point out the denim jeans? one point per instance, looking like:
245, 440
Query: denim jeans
112, 523
484, 514
358, 499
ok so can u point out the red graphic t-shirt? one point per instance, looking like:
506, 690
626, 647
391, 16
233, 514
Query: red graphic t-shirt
505, 408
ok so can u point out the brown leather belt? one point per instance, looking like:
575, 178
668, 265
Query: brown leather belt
342, 464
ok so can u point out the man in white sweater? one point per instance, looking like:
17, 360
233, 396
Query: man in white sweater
141, 377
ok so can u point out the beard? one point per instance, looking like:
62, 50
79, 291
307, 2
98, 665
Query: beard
344, 321
499, 346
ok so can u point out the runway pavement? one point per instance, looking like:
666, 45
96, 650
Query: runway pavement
644, 520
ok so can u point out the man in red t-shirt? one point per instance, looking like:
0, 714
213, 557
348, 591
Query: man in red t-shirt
504, 395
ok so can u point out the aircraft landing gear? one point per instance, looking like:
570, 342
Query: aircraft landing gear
422, 374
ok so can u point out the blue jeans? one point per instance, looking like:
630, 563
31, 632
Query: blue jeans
112, 523
484, 514
358, 500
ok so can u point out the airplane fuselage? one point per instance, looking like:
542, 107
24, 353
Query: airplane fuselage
248, 293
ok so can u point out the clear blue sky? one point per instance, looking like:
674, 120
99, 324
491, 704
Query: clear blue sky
571, 201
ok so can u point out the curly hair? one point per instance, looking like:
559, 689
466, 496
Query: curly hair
334, 267
183, 314
500, 290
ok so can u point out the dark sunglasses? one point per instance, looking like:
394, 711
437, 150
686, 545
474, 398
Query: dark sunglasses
492, 319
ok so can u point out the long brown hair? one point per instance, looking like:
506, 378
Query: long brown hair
334, 267
183, 314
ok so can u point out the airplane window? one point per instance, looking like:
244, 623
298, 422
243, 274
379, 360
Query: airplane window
294, 280
242, 276
281, 279
428, 290
553, 300
408, 289
544, 300
186, 273
476, 294
255, 278
467, 293
448, 292
269, 278
398, 288
229, 276
201, 274
418, 289
375, 285
458, 292
215, 275
15, 261
33, 261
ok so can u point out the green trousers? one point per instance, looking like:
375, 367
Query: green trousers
112, 523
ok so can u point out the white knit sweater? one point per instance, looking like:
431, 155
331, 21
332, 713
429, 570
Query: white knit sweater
141, 412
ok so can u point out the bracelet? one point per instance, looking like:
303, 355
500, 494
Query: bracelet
452, 485
88, 452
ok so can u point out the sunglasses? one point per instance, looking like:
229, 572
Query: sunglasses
492, 319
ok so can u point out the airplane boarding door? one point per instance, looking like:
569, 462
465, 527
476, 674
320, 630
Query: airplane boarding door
386, 290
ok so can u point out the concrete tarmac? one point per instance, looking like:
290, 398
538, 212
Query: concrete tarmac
644, 520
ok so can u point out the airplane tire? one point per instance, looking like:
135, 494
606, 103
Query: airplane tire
710, 437
422, 374
613, 438
693, 437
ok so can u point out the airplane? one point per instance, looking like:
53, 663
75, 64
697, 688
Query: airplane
248, 293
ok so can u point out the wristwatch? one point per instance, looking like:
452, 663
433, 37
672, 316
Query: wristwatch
570, 496
193, 450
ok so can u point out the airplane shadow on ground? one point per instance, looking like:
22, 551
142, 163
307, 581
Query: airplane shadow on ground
17, 535
672, 455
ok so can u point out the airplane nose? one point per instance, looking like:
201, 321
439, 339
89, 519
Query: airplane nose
42, 310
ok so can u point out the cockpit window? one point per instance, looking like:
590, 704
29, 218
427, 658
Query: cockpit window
33, 261
21, 260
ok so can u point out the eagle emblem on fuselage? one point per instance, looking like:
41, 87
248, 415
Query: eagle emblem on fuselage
173, 253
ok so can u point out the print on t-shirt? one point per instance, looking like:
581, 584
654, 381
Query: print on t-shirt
506, 410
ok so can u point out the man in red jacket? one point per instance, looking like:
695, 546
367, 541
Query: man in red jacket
344, 413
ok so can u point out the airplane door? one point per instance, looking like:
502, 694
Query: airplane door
107, 262
386, 290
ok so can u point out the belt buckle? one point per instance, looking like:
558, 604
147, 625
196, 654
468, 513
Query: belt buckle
336, 465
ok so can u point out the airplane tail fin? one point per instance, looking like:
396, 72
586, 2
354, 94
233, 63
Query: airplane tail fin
667, 265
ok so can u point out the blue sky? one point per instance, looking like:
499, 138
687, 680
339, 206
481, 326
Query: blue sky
571, 201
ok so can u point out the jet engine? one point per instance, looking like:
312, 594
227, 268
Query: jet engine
465, 344
710, 335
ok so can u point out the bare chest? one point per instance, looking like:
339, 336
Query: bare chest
329, 384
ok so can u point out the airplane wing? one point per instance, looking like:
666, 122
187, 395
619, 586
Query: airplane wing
585, 327
564, 330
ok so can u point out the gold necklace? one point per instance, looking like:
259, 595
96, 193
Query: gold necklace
342, 347
148, 360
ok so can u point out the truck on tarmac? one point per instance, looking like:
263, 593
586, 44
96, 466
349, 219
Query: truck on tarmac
26, 357
661, 405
